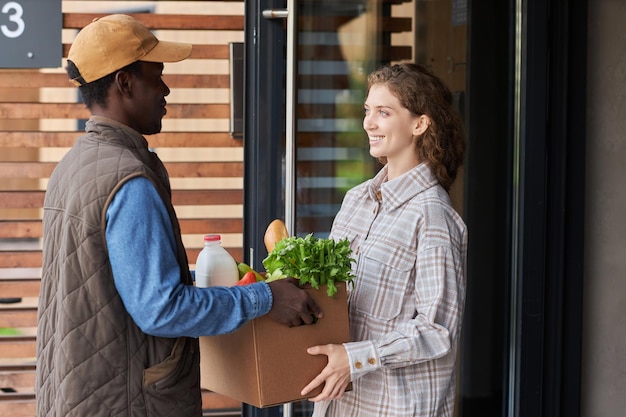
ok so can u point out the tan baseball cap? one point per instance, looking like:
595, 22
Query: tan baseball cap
110, 43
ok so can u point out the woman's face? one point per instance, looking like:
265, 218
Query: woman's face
390, 127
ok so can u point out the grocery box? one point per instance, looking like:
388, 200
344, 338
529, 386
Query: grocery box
264, 363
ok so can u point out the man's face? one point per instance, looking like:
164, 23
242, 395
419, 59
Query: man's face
149, 92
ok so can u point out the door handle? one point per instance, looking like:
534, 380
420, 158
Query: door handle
275, 13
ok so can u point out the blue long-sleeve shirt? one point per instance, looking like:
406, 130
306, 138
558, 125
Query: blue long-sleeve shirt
142, 251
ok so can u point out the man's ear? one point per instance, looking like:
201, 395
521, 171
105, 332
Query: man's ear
421, 124
124, 83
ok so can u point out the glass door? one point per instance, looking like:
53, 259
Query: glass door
306, 71
308, 120
337, 45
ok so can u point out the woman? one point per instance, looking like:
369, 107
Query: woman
410, 245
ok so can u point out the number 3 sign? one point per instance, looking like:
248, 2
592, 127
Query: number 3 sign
30, 33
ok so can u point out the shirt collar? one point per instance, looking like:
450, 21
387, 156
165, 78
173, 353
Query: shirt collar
393, 193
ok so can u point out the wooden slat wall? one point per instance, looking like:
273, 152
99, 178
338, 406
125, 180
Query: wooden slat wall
31, 144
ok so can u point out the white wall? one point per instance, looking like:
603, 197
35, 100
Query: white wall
604, 325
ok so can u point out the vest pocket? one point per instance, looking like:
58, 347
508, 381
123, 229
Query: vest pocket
172, 387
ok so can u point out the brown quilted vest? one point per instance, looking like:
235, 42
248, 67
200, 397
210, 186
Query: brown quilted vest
92, 360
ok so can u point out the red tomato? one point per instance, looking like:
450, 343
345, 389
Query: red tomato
248, 278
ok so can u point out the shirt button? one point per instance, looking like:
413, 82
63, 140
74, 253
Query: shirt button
372, 361
358, 365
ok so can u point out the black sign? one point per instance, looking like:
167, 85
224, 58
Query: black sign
30, 34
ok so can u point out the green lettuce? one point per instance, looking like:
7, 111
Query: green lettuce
312, 260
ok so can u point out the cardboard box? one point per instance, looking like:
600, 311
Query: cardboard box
264, 363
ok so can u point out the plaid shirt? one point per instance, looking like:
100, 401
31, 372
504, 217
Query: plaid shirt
407, 303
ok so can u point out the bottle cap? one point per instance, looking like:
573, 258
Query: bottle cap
212, 238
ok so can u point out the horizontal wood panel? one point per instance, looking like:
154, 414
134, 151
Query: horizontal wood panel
316, 169
35, 199
26, 169
325, 23
316, 224
236, 253
175, 169
335, 53
328, 110
27, 303
18, 318
38, 139
17, 378
197, 52
320, 196
22, 404
32, 259
12, 347
220, 226
20, 259
332, 23
20, 288
320, 52
25, 110
21, 199
353, 140
396, 24
35, 79
20, 229
207, 197
318, 139
165, 22
204, 169
10, 365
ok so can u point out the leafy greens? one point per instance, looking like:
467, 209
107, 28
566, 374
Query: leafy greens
312, 260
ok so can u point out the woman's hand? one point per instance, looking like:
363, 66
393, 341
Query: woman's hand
335, 376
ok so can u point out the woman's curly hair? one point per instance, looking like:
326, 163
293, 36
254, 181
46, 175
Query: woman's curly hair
443, 144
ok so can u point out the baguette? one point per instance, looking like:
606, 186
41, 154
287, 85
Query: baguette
275, 232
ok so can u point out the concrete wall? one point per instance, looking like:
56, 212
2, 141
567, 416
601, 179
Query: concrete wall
604, 326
